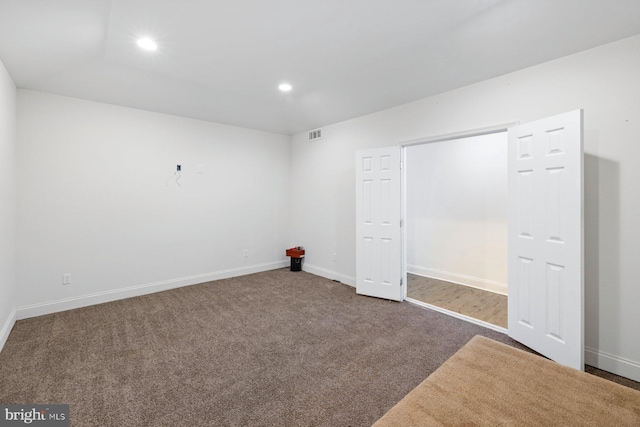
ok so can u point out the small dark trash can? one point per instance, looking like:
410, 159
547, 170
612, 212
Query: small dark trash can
296, 264
297, 254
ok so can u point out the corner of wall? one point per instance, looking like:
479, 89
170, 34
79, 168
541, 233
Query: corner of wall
8, 213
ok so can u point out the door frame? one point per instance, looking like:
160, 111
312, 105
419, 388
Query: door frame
403, 206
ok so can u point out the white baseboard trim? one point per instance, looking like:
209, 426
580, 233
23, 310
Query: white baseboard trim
614, 364
460, 279
49, 307
458, 315
329, 274
6, 328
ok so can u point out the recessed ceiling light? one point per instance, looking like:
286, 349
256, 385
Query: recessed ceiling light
147, 44
285, 87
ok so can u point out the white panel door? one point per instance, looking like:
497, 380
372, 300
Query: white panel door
546, 237
378, 236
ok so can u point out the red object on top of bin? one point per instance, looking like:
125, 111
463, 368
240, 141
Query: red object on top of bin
295, 252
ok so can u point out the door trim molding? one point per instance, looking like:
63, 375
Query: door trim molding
459, 135
457, 315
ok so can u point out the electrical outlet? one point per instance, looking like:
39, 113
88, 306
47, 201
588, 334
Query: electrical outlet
246, 253
66, 279
200, 169
335, 257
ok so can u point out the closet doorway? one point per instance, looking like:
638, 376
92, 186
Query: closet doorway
545, 226
456, 217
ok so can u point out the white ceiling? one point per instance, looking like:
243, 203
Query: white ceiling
222, 60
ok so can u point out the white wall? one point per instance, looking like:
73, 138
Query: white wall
603, 81
98, 200
456, 215
7, 203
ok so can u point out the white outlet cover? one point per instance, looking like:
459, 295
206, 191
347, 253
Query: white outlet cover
66, 279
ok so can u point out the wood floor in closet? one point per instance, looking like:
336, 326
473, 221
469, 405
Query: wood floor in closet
482, 305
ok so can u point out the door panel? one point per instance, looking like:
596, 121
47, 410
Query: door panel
546, 237
378, 236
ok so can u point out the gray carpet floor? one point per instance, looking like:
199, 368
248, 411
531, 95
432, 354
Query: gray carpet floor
278, 348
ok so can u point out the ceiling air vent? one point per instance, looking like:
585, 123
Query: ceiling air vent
315, 134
